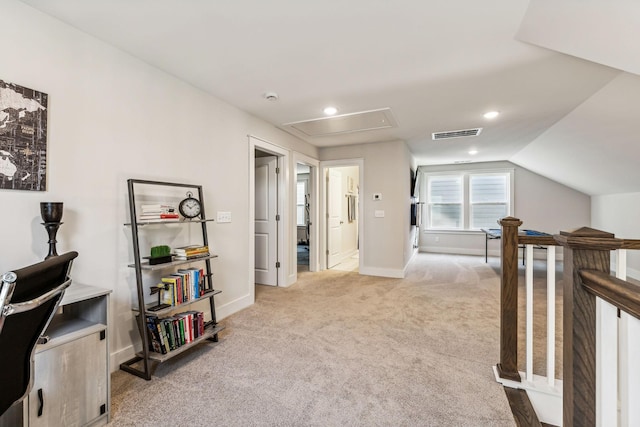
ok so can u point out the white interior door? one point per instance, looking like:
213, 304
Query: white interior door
334, 220
266, 228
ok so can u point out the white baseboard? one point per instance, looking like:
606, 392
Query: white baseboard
233, 306
457, 251
290, 280
383, 272
120, 356
413, 255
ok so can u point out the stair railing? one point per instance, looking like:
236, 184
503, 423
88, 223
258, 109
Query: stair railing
601, 326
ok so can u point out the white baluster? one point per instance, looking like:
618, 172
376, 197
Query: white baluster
623, 355
529, 311
551, 315
606, 364
629, 371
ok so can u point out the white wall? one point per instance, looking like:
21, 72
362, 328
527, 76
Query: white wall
386, 171
540, 203
113, 117
618, 214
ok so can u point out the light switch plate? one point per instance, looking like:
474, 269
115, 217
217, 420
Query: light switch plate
223, 217
379, 214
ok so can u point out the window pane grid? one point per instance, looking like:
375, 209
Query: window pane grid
488, 188
445, 190
487, 215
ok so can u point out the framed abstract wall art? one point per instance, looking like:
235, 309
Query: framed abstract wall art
23, 138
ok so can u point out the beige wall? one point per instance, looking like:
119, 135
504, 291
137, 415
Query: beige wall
618, 214
386, 171
112, 117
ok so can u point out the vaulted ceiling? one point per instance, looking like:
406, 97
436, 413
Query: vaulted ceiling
437, 65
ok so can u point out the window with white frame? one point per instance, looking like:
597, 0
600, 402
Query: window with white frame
468, 200
301, 202
488, 199
445, 202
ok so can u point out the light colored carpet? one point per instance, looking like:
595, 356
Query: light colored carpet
340, 349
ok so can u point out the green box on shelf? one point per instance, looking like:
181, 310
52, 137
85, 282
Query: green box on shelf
160, 255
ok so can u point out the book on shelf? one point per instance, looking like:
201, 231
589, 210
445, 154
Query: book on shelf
157, 212
172, 287
167, 324
157, 208
145, 217
193, 281
156, 343
171, 332
185, 285
191, 250
188, 257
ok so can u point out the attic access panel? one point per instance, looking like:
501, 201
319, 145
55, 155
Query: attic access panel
345, 123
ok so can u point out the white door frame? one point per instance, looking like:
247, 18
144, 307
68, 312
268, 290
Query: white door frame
324, 166
313, 214
283, 202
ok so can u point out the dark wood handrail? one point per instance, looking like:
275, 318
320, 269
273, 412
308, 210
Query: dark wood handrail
630, 244
620, 293
537, 240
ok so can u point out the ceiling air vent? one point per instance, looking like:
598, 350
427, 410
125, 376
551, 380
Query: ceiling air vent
455, 134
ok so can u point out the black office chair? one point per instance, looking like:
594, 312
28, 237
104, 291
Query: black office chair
29, 297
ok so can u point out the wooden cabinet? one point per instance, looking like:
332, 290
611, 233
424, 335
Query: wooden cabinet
71, 387
71, 382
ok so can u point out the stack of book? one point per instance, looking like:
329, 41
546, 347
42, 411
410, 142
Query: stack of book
168, 333
191, 252
183, 286
158, 212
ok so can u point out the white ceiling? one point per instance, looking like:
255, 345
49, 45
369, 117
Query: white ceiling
438, 64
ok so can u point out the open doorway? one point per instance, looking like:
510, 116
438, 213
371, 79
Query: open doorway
343, 218
305, 211
263, 207
303, 216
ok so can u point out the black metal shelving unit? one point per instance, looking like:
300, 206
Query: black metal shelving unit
145, 357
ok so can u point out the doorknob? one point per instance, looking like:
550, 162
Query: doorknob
341, 222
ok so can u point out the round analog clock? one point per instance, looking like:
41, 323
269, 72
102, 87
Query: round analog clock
190, 207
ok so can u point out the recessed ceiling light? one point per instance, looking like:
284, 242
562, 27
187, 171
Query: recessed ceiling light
330, 111
491, 114
473, 152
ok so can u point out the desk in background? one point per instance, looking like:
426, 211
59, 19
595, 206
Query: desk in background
496, 233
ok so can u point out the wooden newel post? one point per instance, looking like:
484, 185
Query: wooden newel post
508, 366
584, 249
